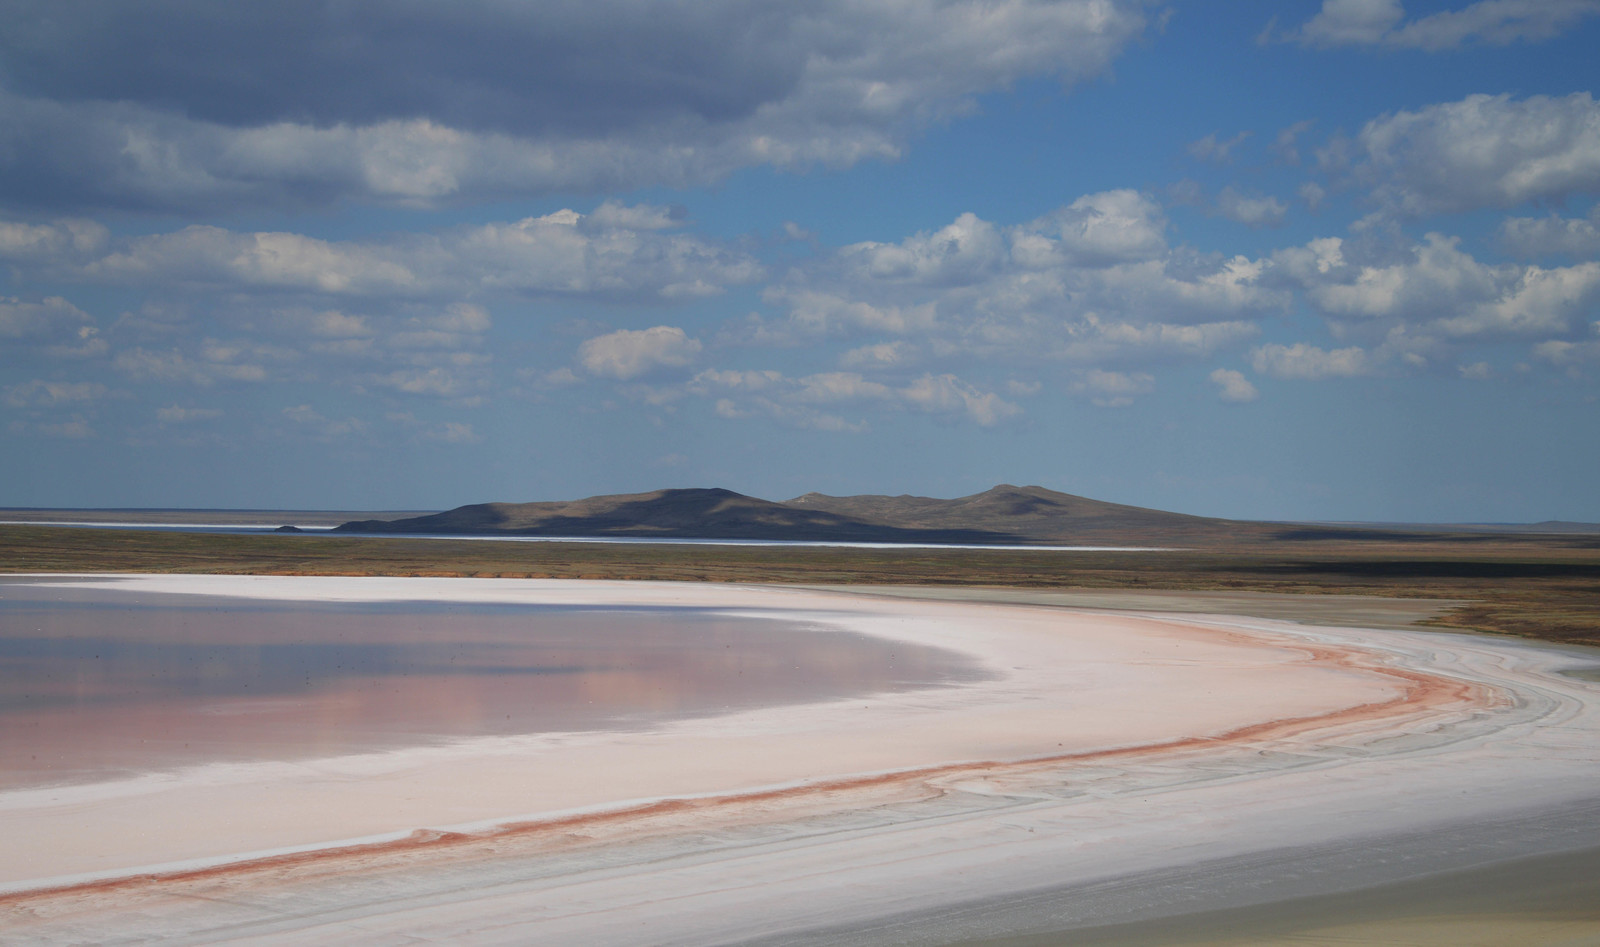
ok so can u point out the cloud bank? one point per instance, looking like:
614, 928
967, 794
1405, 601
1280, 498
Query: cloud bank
315, 100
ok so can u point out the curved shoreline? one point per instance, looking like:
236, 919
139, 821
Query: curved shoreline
1423, 692
1377, 700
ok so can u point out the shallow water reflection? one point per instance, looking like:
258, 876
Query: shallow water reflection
100, 682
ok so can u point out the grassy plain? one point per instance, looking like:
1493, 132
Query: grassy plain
1536, 586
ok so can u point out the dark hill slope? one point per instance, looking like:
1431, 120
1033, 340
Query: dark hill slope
676, 514
1037, 515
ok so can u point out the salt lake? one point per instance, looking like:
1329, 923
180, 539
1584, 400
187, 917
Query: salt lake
103, 682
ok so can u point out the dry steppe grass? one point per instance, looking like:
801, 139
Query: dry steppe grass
1537, 586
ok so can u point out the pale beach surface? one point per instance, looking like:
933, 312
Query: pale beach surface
1102, 755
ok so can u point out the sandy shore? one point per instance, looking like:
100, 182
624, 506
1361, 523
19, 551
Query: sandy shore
1103, 746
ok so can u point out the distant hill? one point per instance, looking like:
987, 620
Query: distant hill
1003, 515
675, 514
1029, 515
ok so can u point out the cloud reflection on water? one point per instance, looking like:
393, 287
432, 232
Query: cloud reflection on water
97, 682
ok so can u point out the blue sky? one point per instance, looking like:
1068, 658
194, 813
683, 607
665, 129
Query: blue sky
1299, 260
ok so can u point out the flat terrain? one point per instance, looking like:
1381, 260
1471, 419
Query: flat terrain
1227, 779
186, 517
1543, 586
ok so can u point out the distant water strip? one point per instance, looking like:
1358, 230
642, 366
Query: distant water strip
263, 529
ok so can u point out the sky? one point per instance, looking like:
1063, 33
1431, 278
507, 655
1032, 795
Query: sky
1332, 260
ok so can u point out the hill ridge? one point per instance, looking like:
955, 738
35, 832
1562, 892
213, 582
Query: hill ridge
1003, 514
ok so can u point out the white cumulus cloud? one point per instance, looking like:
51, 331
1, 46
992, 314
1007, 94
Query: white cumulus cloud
1487, 22
1309, 362
1545, 236
1233, 386
1108, 389
42, 393
49, 317
1251, 210
1212, 148
967, 250
631, 353
1439, 289
814, 401
616, 253
1094, 280
215, 361
1483, 151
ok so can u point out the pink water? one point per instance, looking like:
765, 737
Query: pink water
101, 682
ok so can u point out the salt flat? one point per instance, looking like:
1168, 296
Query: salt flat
1104, 753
